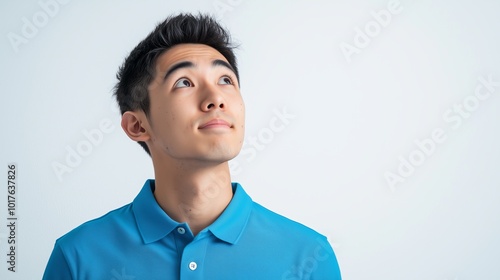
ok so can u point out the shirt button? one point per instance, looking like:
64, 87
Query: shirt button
193, 265
181, 230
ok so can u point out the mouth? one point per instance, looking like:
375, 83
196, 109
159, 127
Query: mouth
215, 123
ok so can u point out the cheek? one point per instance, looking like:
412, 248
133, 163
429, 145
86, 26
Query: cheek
180, 120
242, 113
162, 120
241, 117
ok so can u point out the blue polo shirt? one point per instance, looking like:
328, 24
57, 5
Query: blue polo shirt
140, 241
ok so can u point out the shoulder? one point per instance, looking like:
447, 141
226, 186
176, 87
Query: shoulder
303, 252
93, 246
113, 221
269, 220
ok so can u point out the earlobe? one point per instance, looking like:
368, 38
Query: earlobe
133, 126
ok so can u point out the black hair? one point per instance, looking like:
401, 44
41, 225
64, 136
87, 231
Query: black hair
138, 69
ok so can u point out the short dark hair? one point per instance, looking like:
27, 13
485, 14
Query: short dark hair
138, 69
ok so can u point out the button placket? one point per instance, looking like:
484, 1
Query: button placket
193, 257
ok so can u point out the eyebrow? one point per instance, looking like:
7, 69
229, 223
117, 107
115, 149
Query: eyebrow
175, 67
219, 62
189, 64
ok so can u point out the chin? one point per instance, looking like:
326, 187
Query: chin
221, 158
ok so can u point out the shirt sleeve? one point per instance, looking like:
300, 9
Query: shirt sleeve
57, 266
323, 263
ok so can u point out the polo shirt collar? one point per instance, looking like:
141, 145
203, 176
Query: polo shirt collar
231, 223
154, 224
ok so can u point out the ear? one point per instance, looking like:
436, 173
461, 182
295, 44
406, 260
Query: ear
134, 124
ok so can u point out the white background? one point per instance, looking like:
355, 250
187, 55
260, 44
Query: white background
355, 117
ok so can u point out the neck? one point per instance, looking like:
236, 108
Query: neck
193, 193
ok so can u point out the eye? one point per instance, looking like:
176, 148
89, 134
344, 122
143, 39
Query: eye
182, 83
225, 80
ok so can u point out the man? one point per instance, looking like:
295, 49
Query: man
180, 99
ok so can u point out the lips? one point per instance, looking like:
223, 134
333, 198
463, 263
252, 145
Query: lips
215, 123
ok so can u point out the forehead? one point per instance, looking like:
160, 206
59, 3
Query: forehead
188, 52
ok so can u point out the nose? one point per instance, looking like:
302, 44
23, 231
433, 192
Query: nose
212, 105
212, 101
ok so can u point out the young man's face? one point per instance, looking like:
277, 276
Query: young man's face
196, 109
